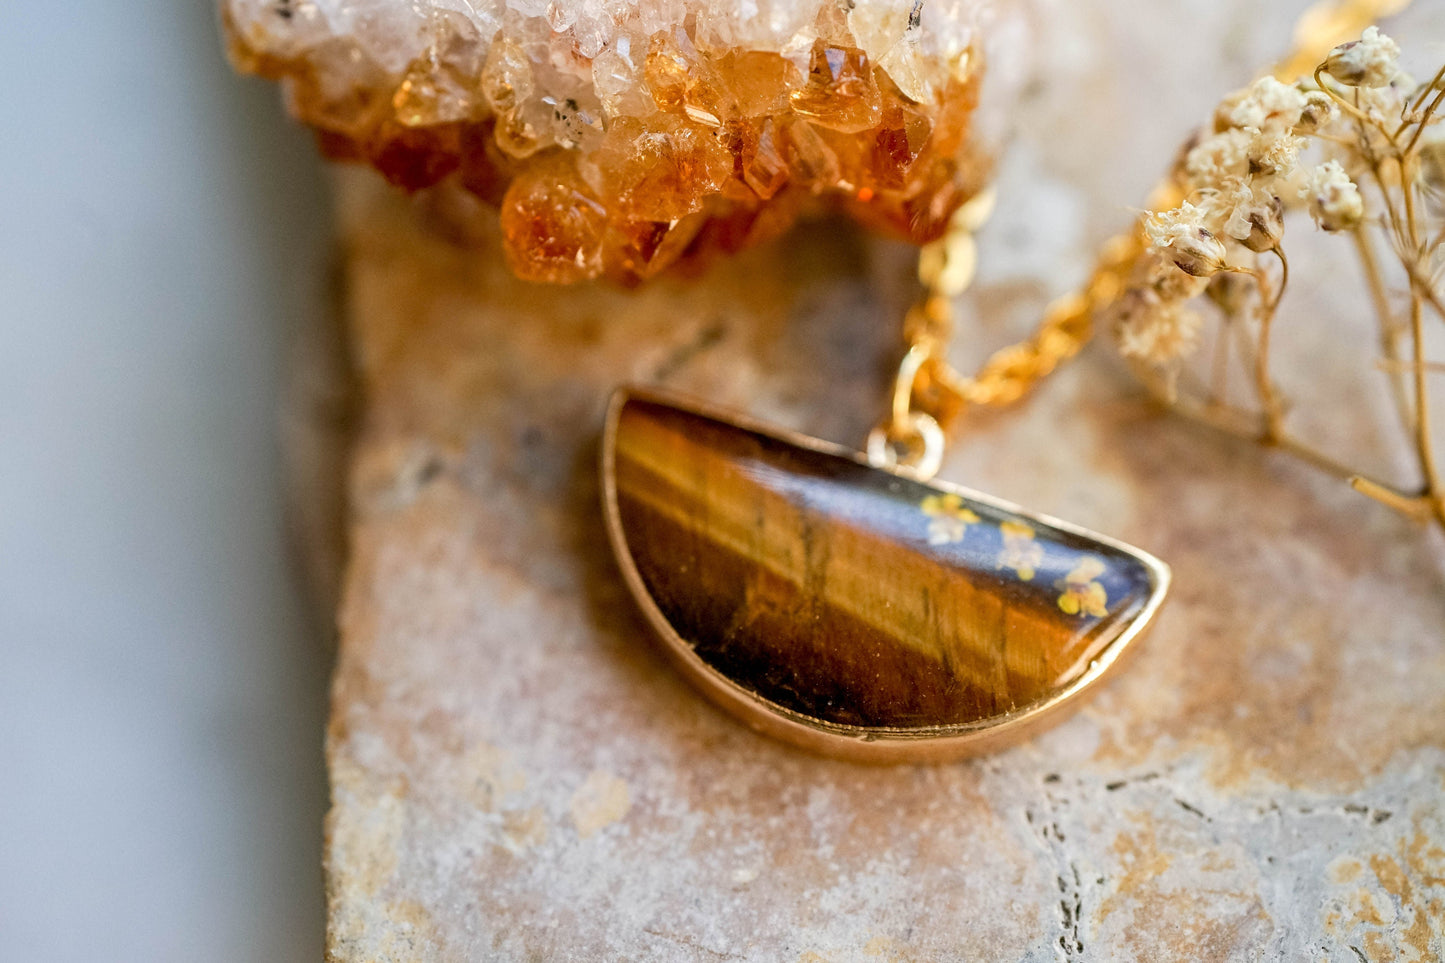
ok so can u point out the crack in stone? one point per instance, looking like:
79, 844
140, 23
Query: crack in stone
682, 941
1369, 814
1118, 784
1192, 809
1047, 830
709, 337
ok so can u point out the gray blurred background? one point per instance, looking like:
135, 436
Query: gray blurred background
163, 236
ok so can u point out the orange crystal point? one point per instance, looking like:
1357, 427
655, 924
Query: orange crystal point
552, 224
668, 69
841, 92
618, 146
760, 83
764, 169
662, 170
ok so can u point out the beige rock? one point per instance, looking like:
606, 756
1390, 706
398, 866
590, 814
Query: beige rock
517, 773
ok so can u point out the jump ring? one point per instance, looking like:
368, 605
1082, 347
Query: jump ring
924, 440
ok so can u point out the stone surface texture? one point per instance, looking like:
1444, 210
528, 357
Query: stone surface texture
518, 774
619, 136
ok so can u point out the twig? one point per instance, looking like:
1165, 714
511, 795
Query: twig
1424, 119
1415, 507
1389, 327
1420, 98
1404, 367
1248, 425
1424, 440
1330, 92
1268, 398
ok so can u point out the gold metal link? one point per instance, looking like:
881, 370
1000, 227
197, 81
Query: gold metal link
927, 386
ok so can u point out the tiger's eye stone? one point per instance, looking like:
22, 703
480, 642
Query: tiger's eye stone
852, 596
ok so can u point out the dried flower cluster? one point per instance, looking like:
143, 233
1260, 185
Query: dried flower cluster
1360, 147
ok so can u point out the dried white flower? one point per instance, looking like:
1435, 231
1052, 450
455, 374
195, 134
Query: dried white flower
1371, 61
1274, 153
1161, 333
1223, 160
1267, 105
1232, 293
1335, 201
1256, 218
1223, 253
1168, 283
1224, 110
1383, 105
1220, 157
1318, 112
1238, 204
1164, 227
1181, 236
1266, 223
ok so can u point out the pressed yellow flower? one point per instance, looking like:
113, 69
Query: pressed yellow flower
949, 518
1020, 552
1082, 593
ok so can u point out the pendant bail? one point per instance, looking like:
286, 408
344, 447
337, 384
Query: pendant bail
912, 441
913, 447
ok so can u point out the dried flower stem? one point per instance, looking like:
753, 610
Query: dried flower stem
1423, 120
1390, 329
1405, 367
1416, 508
1423, 438
1268, 397
1250, 426
1343, 102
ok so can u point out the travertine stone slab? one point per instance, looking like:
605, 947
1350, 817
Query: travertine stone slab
518, 774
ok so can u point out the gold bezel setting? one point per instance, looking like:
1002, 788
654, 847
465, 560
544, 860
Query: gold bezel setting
872, 744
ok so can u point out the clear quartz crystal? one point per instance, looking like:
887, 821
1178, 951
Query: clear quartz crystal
629, 133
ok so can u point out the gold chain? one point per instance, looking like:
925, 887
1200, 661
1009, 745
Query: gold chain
929, 394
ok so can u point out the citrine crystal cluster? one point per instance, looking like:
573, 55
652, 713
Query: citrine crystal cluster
619, 136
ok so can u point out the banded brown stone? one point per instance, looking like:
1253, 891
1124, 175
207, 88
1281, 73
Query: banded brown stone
851, 610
